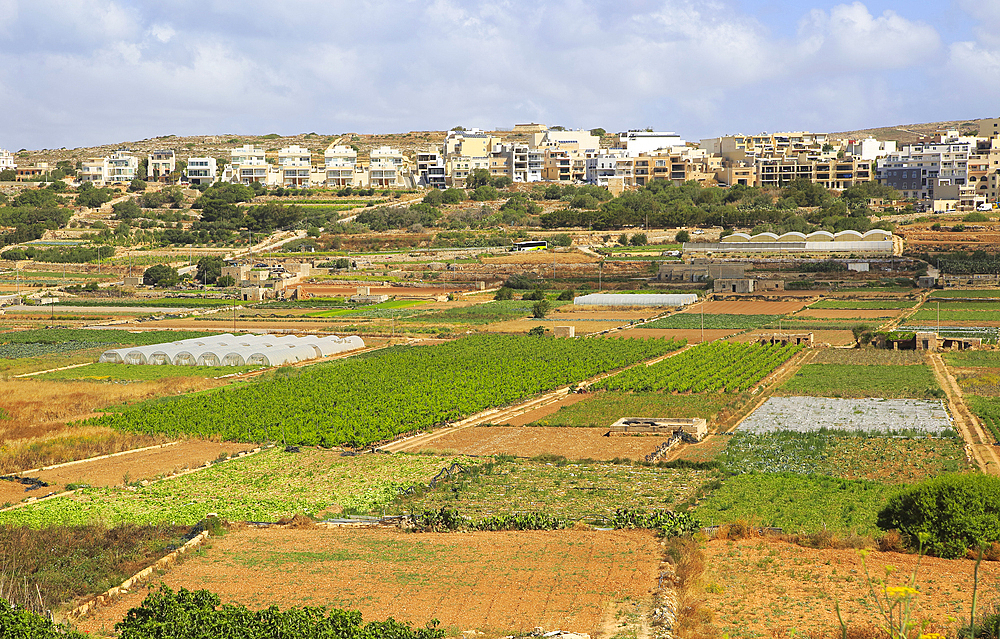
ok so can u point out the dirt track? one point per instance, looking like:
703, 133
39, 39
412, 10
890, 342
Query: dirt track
977, 441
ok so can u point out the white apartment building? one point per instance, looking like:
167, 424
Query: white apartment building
602, 166
7, 160
341, 163
160, 164
202, 170
387, 168
121, 168
247, 164
638, 142
294, 164
578, 140
520, 162
870, 149
916, 169
431, 169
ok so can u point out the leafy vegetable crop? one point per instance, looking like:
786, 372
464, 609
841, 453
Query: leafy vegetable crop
707, 367
359, 401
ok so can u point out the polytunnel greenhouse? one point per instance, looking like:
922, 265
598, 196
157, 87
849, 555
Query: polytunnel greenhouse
235, 350
636, 299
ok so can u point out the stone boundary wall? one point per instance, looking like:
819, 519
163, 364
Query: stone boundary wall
140, 577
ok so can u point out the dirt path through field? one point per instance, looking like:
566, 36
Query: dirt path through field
979, 444
490, 582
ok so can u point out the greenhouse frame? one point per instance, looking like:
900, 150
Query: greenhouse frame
235, 350
636, 299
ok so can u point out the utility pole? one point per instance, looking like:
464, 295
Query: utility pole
703, 321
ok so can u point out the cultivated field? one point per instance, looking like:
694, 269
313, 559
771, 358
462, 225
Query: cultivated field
764, 587
261, 487
746, 307
866, 414
494, 583
522, 441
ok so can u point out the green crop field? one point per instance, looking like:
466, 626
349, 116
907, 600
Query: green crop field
106, 372
893, 460
712, 321
973, 359
606, 407
495, 311
931, 314
987, 409
971, 294
568, 490
96, 336
262, 487
162, 302
385, 309
864, 304
708, 367
797, 503
362, 400
867, 357
849, 380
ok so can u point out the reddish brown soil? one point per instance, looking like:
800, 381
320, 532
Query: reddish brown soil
525, 441
111, 471
494, 582
763, 587
535, 415
747, 307
542, 257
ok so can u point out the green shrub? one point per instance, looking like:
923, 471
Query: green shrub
956, 511
504, 293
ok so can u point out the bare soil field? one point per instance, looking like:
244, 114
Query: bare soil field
529, 441
844, 313
582, 325
542, 257
765, 587
693, 336
492, 582
133, 466
748, 307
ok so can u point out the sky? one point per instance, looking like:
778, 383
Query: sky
78, 73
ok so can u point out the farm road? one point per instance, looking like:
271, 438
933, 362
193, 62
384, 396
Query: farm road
982, 451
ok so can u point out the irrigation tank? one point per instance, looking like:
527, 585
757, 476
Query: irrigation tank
235, 350
636, 299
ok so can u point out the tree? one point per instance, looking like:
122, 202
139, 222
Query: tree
478, 177
598, 132
137, 186
434, 197
225, 281
623, 240
540, 309
485, 193
537, 331
638, 239
126, 210
452, 196
160, 275
8, 175
956, 512
92, 197
682, 236
567, 295
209, 269
504, 293
502, 182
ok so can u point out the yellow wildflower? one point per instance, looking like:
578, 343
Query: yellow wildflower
932, 635
900, 592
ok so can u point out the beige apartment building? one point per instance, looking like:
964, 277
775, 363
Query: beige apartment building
831, 173
387, 168
160, 164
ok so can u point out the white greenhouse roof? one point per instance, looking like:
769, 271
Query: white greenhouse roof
636, 299
235, 350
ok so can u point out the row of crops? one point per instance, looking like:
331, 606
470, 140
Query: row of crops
359, 401
714, 366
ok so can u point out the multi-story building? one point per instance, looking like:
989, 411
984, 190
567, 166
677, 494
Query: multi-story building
749, 147
459, 167
91, 170
870, 148
294, 165
832, 173
568, 140
202, 170
121, 168
431, 169
160, 164
387, 168
466, 151
341, 163
916, 169
639, 142
520, 162
7, 160
247, 164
